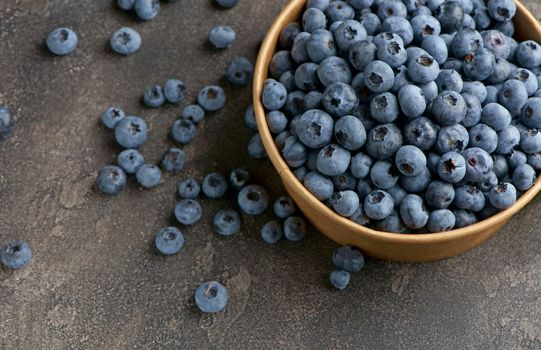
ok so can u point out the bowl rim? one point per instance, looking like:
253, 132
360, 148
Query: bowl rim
267, 49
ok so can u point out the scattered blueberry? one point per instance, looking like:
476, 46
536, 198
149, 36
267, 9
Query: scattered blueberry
111, 180
173, 160
211, 297
294, 228
125, 41
148, 175
339, 279
189, 189
226, 222
169, 240
6, 122
15, 254
62, 41
130, 160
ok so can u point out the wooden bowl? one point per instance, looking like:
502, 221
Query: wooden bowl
384, 245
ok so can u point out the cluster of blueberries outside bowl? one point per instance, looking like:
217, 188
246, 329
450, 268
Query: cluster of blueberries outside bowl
408, 116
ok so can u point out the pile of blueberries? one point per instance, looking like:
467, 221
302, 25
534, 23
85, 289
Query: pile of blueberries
409, 116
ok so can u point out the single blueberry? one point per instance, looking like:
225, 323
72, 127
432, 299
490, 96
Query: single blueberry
15, 254
153, 96
239, 71
339, 279
125, 41
62, 41
283, 207
318, 185
173, 160
253, 200
112, 116
348, 258
211, 297
214, 185
174, 91
189, 188
130, 160
226, 222
188, 211
6, 122
441, 220
451, 167
222, 37
378, 205
271, 232
169, 240
413, 212
183, 131
503, 195
147, 9
211, 98
294, 228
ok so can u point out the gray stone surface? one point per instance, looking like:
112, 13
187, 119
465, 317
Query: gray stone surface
94, 282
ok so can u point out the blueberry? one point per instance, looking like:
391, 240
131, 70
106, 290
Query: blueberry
222, 37
451, 167
131, 132
434, 4
312, 100
410, 160
345, 203
528, 54
393, 53
400, 26
516, 158
416, 184
212, 98
475, 88
501, 10
239, 71
298, 50
331, 70
15, 254
480, 65
495, 116
320, 45
339, 11
449, 79
398, 194
188, 211
467, 5
482, 18
436, 47
413, 212
125, 41
148, 175
280, 63
384, 141
294, 104
315, 128
227, 3
531, 113
424, 26
274, 95
62, 41
484, 137
379, 76
272, 232
6, 122
389, 8
378, 205
195, 114
183, 131
469, 197
469, 22
288, 35
451, 16
464, 218
412, 101
169, 240
294, 152
130, 160
173, 160
340, 99
492, 95
360, 4
276, 121
448, 40
449, 108
414, 52
339, 279
392, 223
430, 91
473, 112
350, 133
147, 9
530, 141
238, 178
384, 107
453, 63
452, 138
294, 228
384, 175
300, 173
466, 41
402, 79
226, 222
253, 200
361, 165
496, 41
153, 96
506, 27
249, 118
211, 297
348, 258
333, 160
125, 4
214, 185
174, 91
111, 116
441, 220
423, 69
439, 194
490, 181
189, 188
528, 78
283, 207
359, 217
478, 164
348, 33
500, 168
318, 185
311, 159
364, 187
371, 23
503, 195
432, 161
306, 77
344, 182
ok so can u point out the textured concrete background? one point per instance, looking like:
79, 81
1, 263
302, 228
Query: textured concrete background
94, 282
